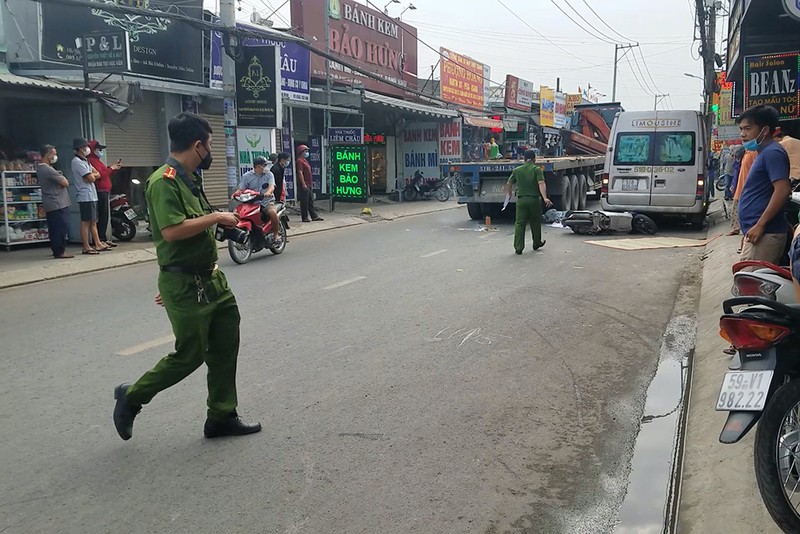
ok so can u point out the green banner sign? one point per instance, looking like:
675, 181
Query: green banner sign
349, 174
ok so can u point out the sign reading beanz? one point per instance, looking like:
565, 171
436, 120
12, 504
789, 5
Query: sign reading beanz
772, 80
349, 175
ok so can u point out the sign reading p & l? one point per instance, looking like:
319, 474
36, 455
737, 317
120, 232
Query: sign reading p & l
349, 174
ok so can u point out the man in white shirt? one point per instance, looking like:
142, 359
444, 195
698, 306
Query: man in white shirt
84, 176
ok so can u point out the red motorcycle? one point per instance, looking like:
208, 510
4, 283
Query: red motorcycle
254, 231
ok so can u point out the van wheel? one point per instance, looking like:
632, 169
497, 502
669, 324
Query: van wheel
698, 221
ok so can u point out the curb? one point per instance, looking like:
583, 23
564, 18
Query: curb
148, 255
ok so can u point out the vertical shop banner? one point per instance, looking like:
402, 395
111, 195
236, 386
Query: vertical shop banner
547, 105
153, 49
253, 142
349, 173
519, 93
258, 97
450, 142
315, 160
773, 80
725, 100
421, 150
560, 111
464, 81
572, 101
286, 146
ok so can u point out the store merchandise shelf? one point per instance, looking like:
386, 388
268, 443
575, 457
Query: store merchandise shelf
22, 186
17, 221
23, 201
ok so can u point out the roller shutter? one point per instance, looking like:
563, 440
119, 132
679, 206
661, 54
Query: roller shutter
215, 179
137, 142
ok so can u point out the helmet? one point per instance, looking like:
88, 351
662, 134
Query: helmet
259, 160
301, 149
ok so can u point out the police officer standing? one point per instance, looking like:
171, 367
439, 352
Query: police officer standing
195, 293
531, 190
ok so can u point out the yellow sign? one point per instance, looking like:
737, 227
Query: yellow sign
572, 101
547, 106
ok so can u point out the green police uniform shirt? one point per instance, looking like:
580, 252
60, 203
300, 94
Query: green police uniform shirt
170, 202
527, 177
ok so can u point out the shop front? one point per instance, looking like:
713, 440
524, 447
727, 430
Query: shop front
479, 131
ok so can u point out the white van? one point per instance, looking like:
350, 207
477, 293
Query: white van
656, 163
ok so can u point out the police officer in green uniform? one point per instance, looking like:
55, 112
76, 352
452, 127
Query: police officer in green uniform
531, 190
195, 293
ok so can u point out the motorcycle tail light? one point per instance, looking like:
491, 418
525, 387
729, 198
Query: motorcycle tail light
604, 184
748, 334
745, 285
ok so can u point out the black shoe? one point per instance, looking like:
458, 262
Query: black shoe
317, 219
540, 245
232, 426
124, 412
517, 252
306, 220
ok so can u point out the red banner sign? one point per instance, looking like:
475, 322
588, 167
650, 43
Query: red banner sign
462, 79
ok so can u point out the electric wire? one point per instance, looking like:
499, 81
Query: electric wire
626, 39
580, 26
606, 36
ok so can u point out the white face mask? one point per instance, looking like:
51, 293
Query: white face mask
87, 151
55, 160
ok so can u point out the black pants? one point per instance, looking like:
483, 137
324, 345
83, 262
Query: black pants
102, 215
307, 204
58, 227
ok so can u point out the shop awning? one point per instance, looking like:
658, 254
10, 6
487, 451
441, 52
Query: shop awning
482, 122
411, 107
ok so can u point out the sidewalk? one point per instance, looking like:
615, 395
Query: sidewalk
26, 266
718, 491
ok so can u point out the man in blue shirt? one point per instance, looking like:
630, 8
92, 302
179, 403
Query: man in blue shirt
262, 181
761, 214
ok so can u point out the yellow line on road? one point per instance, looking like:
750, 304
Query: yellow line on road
147, 345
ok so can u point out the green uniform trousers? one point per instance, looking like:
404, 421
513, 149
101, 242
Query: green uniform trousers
204, 332
529, 211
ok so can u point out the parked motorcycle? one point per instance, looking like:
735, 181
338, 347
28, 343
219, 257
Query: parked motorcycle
763, 385
766, 280
253, 233
418, 189
123, 218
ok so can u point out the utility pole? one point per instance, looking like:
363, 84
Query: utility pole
617, 48
327, 125
227, 15
707, 22
659, 98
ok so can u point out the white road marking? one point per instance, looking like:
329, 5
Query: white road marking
147, 345
432, 254
346, 282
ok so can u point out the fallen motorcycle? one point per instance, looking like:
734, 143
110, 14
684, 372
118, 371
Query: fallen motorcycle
601, 222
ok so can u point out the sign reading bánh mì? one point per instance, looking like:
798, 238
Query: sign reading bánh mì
349, 173
772, 80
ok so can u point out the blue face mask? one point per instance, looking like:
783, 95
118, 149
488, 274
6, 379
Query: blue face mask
753, 144
99, 153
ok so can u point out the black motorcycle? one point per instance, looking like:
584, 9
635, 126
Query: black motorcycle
763, 386
419, 189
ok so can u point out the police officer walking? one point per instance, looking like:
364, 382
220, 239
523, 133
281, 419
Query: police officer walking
200, 305
531, 190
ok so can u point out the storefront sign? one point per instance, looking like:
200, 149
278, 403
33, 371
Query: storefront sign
349, 173
773, 80
464, 81
450, 142
421, 150
286, 146
315, 160
252, 143
547, 106
560, 113
519, 93
375, 139
572, 101
345, 136
361, 36
295, 64
107, 51
258, 100
154, 49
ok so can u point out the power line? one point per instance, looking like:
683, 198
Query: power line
604, 22
606, 36
644, 60
641, 85
604, 39
639, 68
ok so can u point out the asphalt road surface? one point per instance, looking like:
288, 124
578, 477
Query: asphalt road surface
411, 376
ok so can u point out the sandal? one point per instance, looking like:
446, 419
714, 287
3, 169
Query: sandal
90, 252
110, 244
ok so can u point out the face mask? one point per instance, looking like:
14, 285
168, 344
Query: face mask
99, 153
86, 151
55, 160
305, 154
753, 144
205, 163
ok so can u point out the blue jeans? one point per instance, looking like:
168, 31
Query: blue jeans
728, 182
57, 228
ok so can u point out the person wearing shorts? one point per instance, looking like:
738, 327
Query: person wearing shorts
84, 177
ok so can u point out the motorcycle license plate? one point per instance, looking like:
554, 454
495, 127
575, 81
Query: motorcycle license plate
744, 391
130, 214
630, 185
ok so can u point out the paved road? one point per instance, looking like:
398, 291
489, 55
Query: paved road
412, 376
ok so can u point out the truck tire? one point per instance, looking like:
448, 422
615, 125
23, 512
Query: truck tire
474, 210
582, 185
573, 180
565, 203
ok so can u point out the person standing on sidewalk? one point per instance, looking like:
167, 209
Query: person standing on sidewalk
305, 185
531, 191
200, 305
103, 185
84, 177
55, 201
278, 170
761, 207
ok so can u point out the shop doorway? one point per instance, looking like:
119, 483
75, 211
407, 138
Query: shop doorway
378, 169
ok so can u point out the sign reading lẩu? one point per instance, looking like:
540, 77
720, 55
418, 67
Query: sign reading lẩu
772, 80
349, 173
258, 88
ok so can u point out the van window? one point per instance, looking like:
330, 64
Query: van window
633, 149
675, 148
